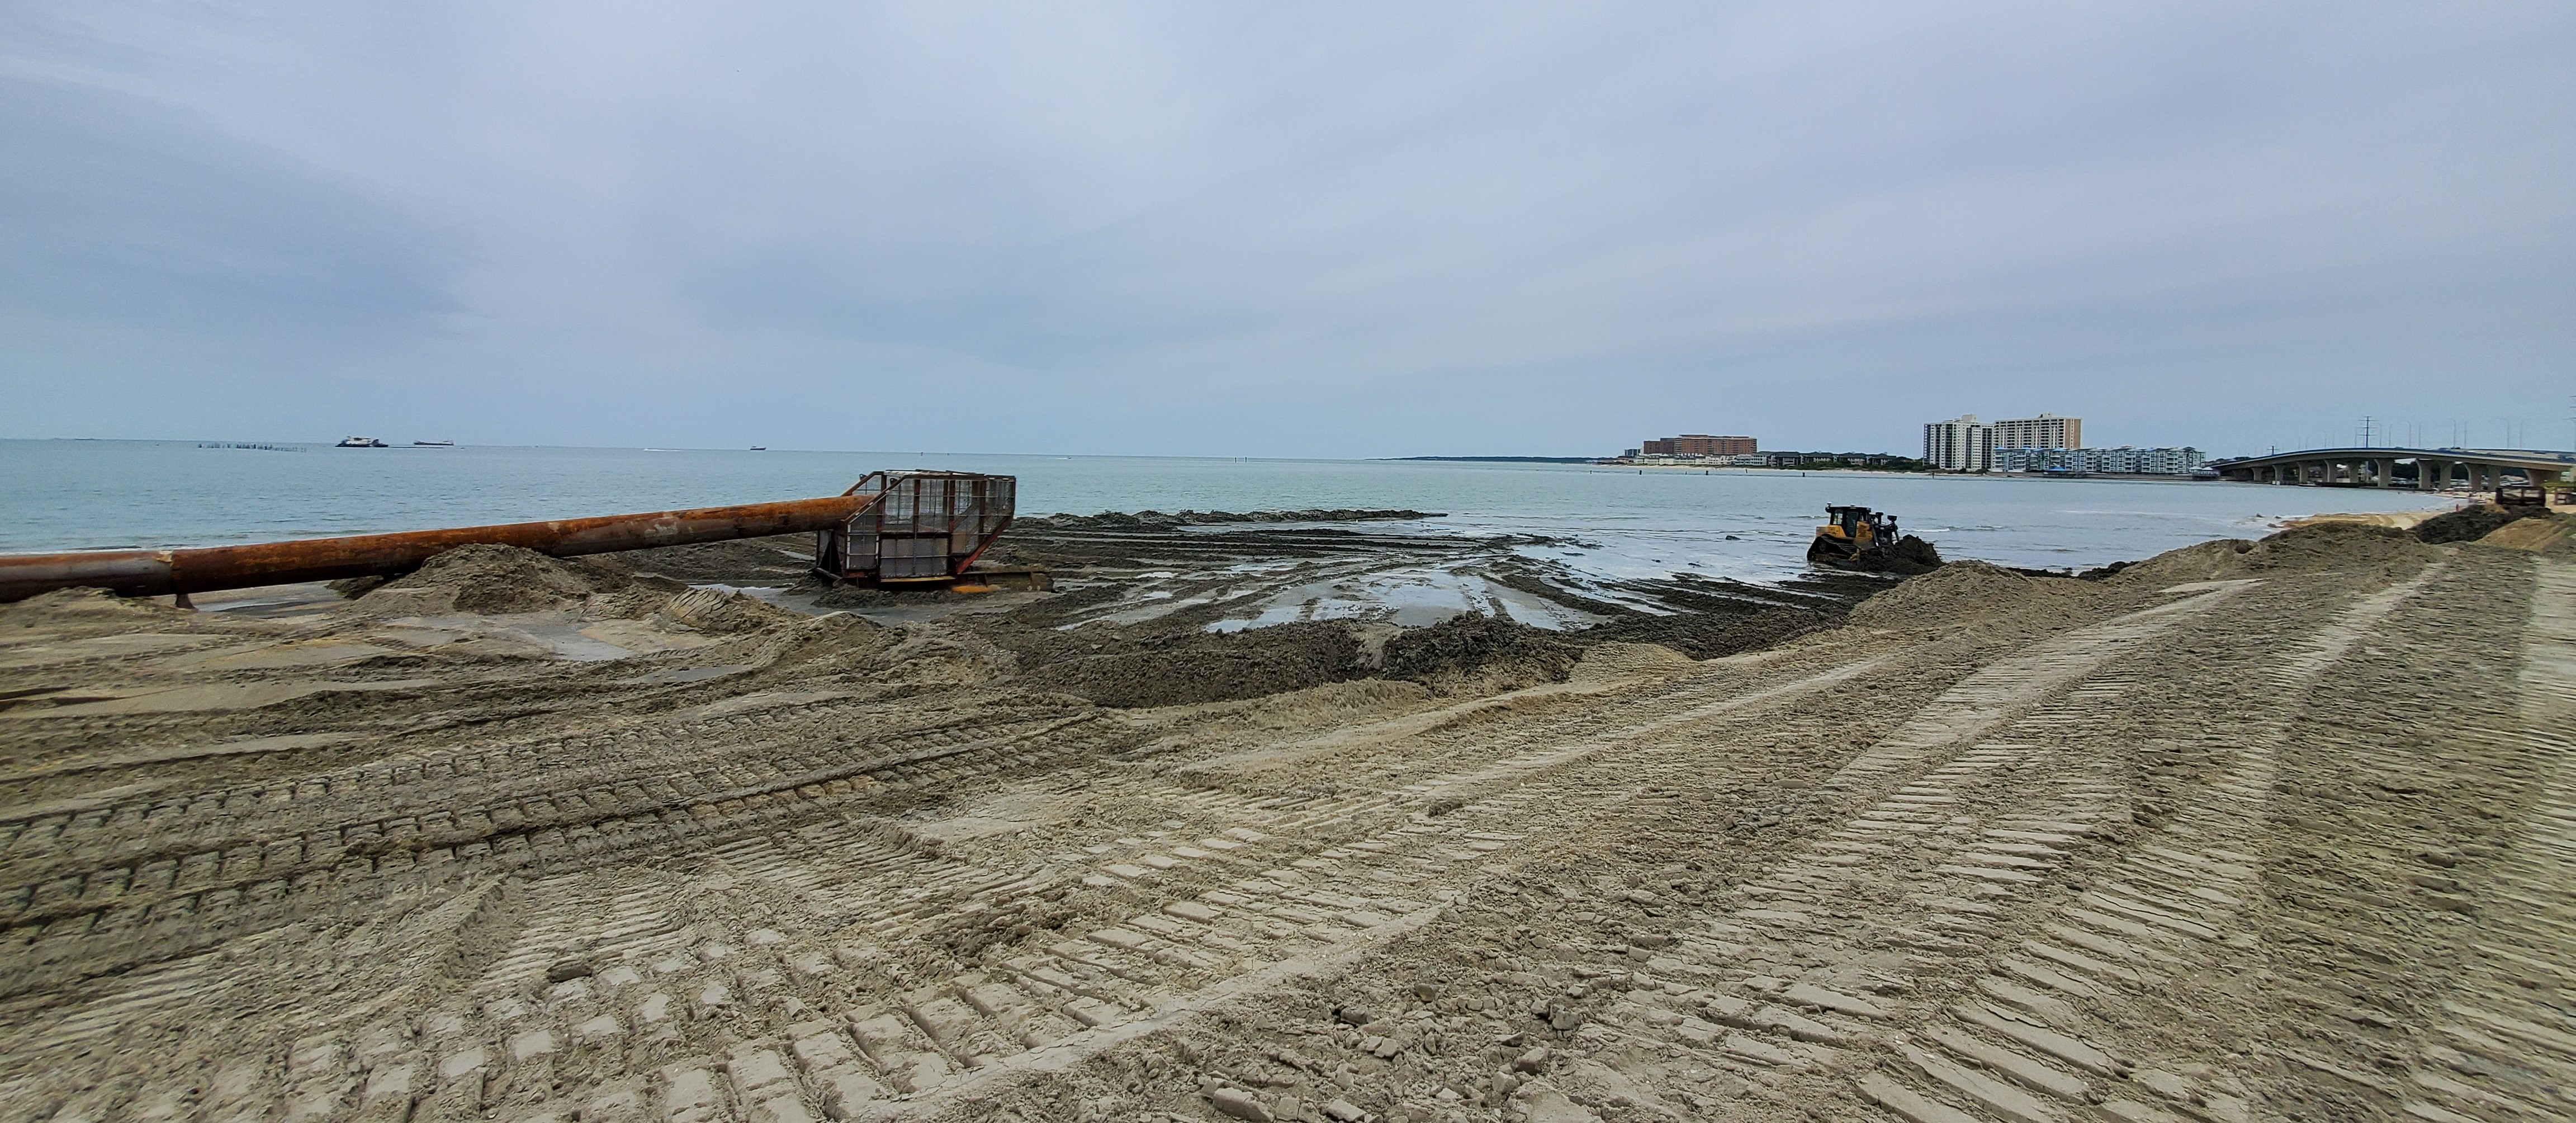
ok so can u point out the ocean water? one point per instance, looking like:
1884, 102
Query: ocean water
1612, 522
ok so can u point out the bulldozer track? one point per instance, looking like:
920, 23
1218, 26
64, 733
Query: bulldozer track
2059, 874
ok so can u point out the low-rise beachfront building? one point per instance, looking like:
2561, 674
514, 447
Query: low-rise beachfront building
2122, 461
1674, 452
1885, 460
1693, 445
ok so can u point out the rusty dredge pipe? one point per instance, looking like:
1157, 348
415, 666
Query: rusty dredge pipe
148, 572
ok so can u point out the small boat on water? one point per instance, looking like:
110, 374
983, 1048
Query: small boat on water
361, 442
433, 444
760, 448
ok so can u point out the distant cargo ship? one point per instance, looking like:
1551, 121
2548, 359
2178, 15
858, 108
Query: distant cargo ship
362, 442
433, 444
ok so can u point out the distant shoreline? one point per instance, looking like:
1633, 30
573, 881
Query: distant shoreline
1882, 473
1508, 459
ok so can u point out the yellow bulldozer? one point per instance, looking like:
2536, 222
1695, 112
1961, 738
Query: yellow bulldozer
1853, 538
1863, 539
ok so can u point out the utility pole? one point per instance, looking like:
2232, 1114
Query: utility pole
2365, 432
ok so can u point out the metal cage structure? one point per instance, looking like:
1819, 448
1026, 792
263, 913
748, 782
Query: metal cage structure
916, 527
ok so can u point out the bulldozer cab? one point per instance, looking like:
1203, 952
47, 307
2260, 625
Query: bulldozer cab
1856, 524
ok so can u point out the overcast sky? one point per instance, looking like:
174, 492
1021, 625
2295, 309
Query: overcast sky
1304, 229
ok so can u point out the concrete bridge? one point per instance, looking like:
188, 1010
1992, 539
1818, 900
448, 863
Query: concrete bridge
2433, 469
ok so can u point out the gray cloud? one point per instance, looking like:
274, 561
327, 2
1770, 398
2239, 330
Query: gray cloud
1310, 230
121, 211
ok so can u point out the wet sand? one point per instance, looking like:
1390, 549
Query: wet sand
2245, 831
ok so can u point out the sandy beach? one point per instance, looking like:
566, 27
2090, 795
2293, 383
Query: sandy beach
2269, 830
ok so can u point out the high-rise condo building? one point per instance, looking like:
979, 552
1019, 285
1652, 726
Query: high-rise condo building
1962, 445
2044, 431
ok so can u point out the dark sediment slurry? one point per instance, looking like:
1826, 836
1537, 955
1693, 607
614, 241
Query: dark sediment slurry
1173, 657
1059, 642
1076, 641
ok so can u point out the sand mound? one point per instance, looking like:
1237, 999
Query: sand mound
1330, 703
1485, 651
1208, 666
2540, 534
721, 612
2315, 547
2337, 546
930, 655
2393, 520
2470, 524
854, 650
1958, 589
1610, 662
65, 606
494, 579
782, 559
1709, 635
823, 644
2200, 561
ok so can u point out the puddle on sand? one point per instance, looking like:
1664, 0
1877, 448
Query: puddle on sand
1410, 597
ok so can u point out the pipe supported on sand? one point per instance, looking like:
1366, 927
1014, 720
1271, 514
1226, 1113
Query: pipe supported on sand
149, 572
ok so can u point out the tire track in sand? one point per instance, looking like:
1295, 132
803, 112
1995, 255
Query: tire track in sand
2022, 1047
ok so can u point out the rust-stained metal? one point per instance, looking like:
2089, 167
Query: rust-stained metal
149, 572
916, 527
